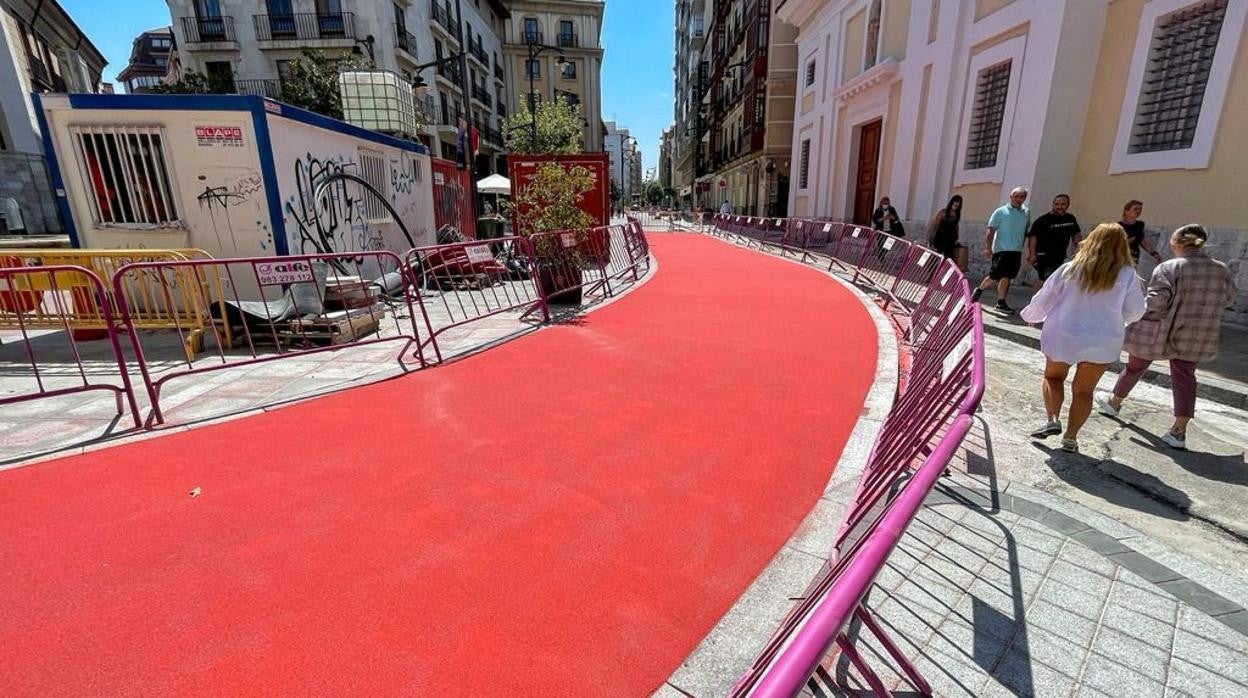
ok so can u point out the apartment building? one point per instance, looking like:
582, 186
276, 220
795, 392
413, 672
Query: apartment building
753, 74
692, 79
665, 159
41, 50
248, 45
618, 144
553, 50
1105, 101
149, 61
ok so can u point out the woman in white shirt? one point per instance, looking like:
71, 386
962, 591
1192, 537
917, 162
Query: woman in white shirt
1085, 307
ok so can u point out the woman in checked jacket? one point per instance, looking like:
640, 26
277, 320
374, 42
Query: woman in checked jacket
1186, 297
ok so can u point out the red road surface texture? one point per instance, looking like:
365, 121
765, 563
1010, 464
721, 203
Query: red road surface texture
568, 514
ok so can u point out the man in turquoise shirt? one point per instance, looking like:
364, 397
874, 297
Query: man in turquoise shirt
1007, 230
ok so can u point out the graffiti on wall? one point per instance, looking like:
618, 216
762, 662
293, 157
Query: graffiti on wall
226, 191
334, 224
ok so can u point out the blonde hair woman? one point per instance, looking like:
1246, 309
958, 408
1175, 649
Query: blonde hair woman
1186, 297
1085, 307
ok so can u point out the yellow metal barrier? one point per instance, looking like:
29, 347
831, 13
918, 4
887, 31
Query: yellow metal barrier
182, 301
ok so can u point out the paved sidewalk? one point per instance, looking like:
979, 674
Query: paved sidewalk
997, 595
1223, 380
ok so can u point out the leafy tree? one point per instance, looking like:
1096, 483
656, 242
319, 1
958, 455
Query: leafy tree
551, 200
193, 82
653, 193
312, 81
560, 129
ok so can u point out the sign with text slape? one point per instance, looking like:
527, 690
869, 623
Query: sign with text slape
276, 273
226, 136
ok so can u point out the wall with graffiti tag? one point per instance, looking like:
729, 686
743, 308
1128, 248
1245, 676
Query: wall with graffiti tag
145, 173
346, 217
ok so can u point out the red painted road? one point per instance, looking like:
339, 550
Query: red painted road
568, 514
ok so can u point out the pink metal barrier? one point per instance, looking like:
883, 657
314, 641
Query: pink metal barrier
43, 306
919, 436
462, 283
292, 305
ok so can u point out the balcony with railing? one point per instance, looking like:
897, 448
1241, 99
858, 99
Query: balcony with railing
405, 42
498, 72
260, 88
208, 30
491, 135
532, 37
305, 26
444, 18
450, 71
477, 50
482, 95
567, 40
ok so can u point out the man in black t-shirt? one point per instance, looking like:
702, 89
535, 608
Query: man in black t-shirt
1050, 237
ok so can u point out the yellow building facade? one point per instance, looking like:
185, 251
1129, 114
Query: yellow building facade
541, 32
1105, 100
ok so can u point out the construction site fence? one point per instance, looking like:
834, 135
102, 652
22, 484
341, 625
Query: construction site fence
46, 307
267, 308
261, 309
920, 435
185, 309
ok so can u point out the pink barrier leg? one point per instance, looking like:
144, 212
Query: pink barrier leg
912, 672
873, 679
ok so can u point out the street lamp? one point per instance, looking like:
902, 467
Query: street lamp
535, 49
367, 42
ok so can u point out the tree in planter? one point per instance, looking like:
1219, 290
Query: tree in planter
311, 81
560, 129
551, 201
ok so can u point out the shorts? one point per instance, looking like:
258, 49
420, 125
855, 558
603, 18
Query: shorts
1005, 265
1045, 266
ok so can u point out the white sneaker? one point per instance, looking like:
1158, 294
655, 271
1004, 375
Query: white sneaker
1175, 441
1070, 445
1105, 407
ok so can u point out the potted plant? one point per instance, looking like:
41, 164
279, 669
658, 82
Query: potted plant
551, 202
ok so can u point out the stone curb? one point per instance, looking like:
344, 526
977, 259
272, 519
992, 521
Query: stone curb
1208, 387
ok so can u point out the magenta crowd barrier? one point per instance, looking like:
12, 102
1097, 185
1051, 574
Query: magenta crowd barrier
45, 307
462, 283
918, 438
290, 305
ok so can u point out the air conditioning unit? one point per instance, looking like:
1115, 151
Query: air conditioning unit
74, 71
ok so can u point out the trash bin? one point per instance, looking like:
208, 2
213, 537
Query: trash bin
489, 227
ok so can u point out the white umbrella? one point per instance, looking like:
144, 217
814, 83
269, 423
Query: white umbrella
494, 184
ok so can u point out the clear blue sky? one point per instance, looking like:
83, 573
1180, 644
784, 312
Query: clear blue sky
636, 72
637, 69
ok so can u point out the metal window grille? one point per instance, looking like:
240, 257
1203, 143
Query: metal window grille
804, 175
1179, 61
125, 173
810, 73
373, 170
988, 113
